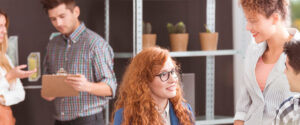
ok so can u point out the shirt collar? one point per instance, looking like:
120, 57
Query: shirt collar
74, 37
167, 109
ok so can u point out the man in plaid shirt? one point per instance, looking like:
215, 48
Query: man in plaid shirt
78, 50
289, 111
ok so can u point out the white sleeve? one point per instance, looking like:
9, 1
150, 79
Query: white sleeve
3, 81
15, 94
242, 105
244, 101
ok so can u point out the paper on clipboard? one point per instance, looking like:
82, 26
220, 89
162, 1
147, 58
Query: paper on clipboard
55, 86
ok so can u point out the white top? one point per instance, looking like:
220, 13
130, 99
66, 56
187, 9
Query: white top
255, 107
167, 115
13, 93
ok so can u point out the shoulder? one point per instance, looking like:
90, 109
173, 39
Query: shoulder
119, 111
94, 39
55, 40
289, 105
93, 35
118, 116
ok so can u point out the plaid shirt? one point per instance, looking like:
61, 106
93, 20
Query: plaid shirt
84, 52
289, 112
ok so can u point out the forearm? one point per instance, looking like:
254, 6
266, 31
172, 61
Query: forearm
14, 95
100, 89
2, 100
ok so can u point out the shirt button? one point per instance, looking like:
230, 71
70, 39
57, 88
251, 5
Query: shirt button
62, 100
62, 113
66, 59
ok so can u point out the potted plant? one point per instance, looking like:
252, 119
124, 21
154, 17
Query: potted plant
149, 39
208, 40
178, 36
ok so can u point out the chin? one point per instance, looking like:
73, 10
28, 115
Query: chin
172, 95
258, 41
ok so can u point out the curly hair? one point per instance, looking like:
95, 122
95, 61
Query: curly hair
266, 7
50, 4
135, 95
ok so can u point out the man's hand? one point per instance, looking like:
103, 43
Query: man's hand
238, 122
17, 72
79, 83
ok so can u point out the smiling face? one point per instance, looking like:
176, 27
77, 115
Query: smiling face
162, 90
261, 27
3, 29
64, 19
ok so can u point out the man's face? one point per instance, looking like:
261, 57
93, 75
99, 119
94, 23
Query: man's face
293, 78
64, 19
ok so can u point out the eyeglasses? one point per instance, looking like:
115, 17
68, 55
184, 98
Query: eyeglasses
164, 76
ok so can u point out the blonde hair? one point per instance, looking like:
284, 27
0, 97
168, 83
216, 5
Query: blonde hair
3, 47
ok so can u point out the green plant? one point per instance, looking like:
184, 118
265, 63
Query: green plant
178, 28
206, 28
147, 28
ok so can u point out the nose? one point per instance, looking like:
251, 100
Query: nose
173, 78
59, 22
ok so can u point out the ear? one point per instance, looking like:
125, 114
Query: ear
275, 17
76, 11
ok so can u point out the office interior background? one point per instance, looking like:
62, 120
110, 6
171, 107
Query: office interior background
31, 25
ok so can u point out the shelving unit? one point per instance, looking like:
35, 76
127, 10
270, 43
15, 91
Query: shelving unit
186, 54
209, 117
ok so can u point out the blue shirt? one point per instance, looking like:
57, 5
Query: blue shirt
174, 120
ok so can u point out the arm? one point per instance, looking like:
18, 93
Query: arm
103, 68
242, 106
14, 94
46, 71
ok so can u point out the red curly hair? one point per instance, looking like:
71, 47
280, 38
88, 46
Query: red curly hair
135, 95
266, 7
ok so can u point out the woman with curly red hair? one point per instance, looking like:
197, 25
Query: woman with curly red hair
265, 85
150, 92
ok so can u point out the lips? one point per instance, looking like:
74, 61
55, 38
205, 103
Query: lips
172, 88
254, 34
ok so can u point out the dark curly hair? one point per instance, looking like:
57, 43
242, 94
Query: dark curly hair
50, 4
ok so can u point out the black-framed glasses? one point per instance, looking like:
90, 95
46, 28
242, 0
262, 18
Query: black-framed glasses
164, 76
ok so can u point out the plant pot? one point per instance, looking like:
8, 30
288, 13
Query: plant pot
179, 41
208, 41
149, 40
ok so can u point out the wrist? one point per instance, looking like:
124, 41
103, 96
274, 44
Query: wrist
8, 77
89, 87
2, 100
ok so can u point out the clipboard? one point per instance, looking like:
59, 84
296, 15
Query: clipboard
55, 86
